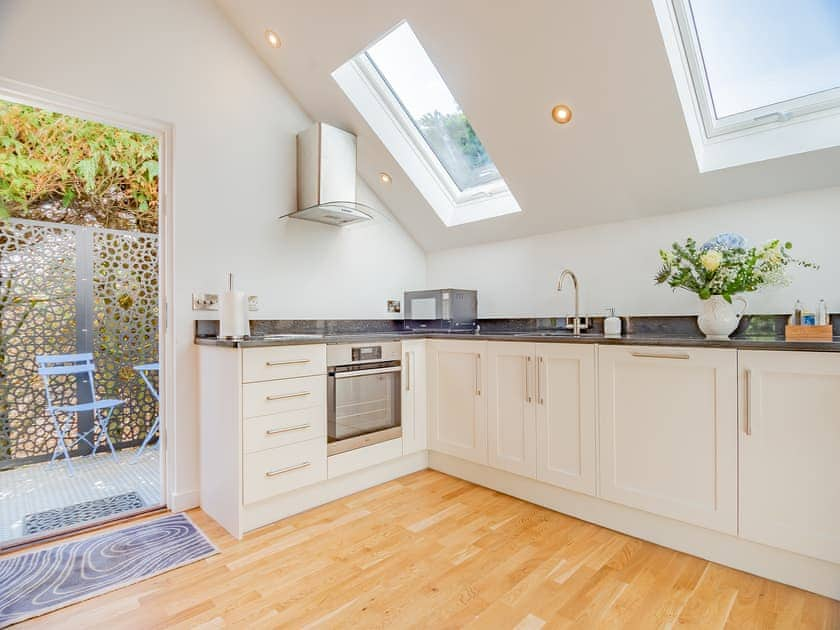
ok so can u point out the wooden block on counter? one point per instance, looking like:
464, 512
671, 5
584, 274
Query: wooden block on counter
809, 333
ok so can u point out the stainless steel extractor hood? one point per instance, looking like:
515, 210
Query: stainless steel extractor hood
326, 177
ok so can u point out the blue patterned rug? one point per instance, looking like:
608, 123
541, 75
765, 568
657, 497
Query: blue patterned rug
37, 582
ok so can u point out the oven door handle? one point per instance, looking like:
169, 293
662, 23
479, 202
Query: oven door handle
368, 372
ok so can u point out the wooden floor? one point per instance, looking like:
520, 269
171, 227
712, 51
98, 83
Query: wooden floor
432, 551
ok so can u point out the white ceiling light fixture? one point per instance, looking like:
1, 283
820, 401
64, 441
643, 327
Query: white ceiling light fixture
272, 38
401, 94
384, 178
561, 114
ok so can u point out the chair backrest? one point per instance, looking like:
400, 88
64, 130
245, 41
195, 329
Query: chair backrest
65, 364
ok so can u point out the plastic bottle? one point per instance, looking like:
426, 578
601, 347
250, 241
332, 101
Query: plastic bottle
822, 314
612, 324
796, 320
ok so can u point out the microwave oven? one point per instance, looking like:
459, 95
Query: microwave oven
452, 308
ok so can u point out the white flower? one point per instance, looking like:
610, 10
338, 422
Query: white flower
711, 260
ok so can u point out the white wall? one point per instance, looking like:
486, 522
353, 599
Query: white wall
234, 165
616, 262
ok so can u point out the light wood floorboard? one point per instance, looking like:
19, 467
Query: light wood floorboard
432, 551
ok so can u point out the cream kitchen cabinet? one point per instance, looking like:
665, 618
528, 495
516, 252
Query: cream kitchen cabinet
668, 420
790, 451
565, 418
263, 428
414, 390
457, 409
511, 407
541, 412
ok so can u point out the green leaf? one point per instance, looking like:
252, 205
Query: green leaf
68, 198
86, 169
152, 168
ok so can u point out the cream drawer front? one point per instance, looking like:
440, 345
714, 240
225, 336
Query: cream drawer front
265, 364
285, 428
270, 397
278, 470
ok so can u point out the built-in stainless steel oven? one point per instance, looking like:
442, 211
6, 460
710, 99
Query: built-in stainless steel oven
363, 395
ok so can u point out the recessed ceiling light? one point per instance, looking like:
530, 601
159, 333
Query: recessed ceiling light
561, 114
272, 38
384, 178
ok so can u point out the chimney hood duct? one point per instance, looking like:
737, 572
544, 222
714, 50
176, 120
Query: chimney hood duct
326, 177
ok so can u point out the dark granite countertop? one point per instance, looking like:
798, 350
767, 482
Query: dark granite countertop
758, 342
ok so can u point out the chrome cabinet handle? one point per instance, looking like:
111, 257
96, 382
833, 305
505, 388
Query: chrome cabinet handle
408, 371
279, 471
291, 362
747, 396
478, 375
539, 381
664, 355
297, 427
284, 396
528, 379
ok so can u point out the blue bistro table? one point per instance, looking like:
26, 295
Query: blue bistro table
144, 371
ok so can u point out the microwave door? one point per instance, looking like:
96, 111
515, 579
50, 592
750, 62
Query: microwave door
424, 308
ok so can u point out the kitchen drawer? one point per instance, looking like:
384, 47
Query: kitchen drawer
289, 427
278, 470
265, 364
364, 457
270, 397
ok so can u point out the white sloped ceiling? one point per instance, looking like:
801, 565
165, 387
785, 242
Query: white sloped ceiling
626, 154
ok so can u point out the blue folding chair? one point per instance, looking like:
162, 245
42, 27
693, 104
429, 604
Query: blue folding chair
144, 371
63, 415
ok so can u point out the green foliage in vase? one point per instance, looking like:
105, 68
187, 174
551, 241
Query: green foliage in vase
725, 266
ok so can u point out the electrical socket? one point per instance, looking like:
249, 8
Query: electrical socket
210, 302
205, 301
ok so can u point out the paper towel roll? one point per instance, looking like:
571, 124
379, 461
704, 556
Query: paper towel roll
233, 314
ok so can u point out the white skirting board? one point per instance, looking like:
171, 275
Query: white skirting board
782, 566
182, 501
270, 510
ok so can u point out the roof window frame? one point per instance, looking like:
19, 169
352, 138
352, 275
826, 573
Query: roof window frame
777, 113
378, 104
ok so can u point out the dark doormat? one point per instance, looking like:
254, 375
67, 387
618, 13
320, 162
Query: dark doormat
60, 518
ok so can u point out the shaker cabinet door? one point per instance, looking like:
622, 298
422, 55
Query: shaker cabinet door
414, 391
457, 408
669, 432
511, 407
566, 422
790, 451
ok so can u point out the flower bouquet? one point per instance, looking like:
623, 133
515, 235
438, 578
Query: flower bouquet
722, 268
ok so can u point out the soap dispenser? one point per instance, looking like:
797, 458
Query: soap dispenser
612, 324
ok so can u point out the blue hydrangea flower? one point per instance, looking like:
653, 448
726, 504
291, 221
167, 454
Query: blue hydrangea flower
725, 241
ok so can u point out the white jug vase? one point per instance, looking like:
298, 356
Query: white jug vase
718, 318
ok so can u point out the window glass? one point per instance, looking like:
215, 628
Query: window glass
403, 64
758, 53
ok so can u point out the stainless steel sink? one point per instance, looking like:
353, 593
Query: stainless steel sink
280, 336
554, 333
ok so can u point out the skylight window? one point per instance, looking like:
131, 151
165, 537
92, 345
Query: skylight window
405, 100
759, 53
757, 79
759, 61
403, 64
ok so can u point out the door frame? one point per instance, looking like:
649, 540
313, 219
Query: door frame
34, 96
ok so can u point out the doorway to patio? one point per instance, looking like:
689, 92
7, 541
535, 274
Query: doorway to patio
80, 417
